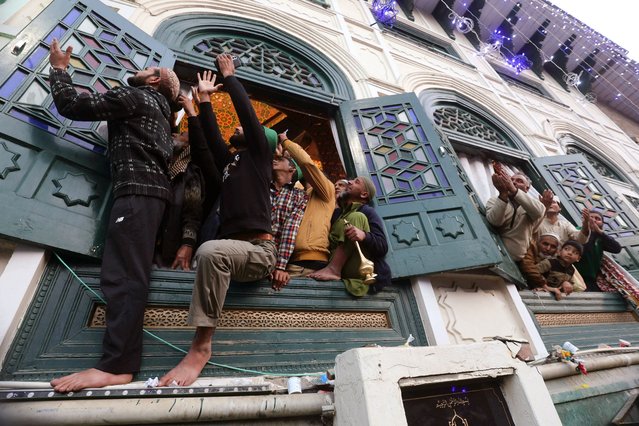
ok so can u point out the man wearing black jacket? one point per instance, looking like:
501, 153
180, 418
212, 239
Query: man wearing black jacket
245, 250
594, 249
364, 226
140, 147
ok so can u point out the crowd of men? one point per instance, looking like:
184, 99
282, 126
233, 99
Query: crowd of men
257, 208
551, 253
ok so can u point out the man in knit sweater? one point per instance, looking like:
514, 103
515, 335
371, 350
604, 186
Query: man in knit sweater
515, 214
140, 147
311, 246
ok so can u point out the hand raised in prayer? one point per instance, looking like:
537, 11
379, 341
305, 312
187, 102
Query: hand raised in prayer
546, 197
225, 64
206, 85
57, 58
585, 221
282, 136
595, 228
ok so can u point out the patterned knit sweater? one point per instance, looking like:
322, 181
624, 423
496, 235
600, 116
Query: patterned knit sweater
140, 145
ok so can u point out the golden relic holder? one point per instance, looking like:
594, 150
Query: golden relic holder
366, 267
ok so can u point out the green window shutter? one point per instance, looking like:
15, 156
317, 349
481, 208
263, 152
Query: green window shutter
430, 222
578, 185
54, 180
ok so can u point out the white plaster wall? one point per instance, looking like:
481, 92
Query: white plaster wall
367, 381
465, 309
18, 282
377, 61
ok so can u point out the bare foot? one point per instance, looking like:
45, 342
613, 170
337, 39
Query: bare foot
91, 378
326, 274
189, 369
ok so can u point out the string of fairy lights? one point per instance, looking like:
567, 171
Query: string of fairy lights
578, 27
385, 12
520, 62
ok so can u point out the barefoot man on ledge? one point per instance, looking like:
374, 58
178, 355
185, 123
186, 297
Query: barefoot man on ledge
140, 148
245, 250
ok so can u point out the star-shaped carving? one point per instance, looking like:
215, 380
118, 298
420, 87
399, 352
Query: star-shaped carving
450, 226
405, 232
8, 161
75, 189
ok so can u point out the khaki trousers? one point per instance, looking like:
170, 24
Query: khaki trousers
219, 262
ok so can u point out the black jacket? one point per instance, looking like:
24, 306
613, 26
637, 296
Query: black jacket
374, 246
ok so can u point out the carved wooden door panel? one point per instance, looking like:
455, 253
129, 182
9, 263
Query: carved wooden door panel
54, 181
579, 186
430, 221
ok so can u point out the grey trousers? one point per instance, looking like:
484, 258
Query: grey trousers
219, 262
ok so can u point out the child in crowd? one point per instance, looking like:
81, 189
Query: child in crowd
559, 272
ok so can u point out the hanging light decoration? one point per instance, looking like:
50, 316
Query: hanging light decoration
572, 79
385, 11
488, 49
462, 24
519, 63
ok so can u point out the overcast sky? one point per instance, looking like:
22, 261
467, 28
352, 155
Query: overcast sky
614, 19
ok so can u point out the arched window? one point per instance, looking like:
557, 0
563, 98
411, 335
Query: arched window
601, 166
269, 56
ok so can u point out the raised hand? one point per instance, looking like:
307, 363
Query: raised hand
546, 197
206, 85
282, 136
225, 64
585, 221
187, 104
594, 227
57, 58
196, 95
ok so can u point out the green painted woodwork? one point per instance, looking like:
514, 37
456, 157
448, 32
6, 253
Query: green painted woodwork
598, 398
587, 336
599, 165
461, 125
270, 57
54, 181
425, 40
55, 338
579, 186
544, 303
430, 222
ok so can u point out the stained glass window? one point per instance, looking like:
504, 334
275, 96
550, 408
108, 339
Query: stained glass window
599, 165
398, 155
262, 57
583, 189
454, 119
99, 48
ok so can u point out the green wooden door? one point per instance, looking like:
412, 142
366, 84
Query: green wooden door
54, 181
431, 224
579, 186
